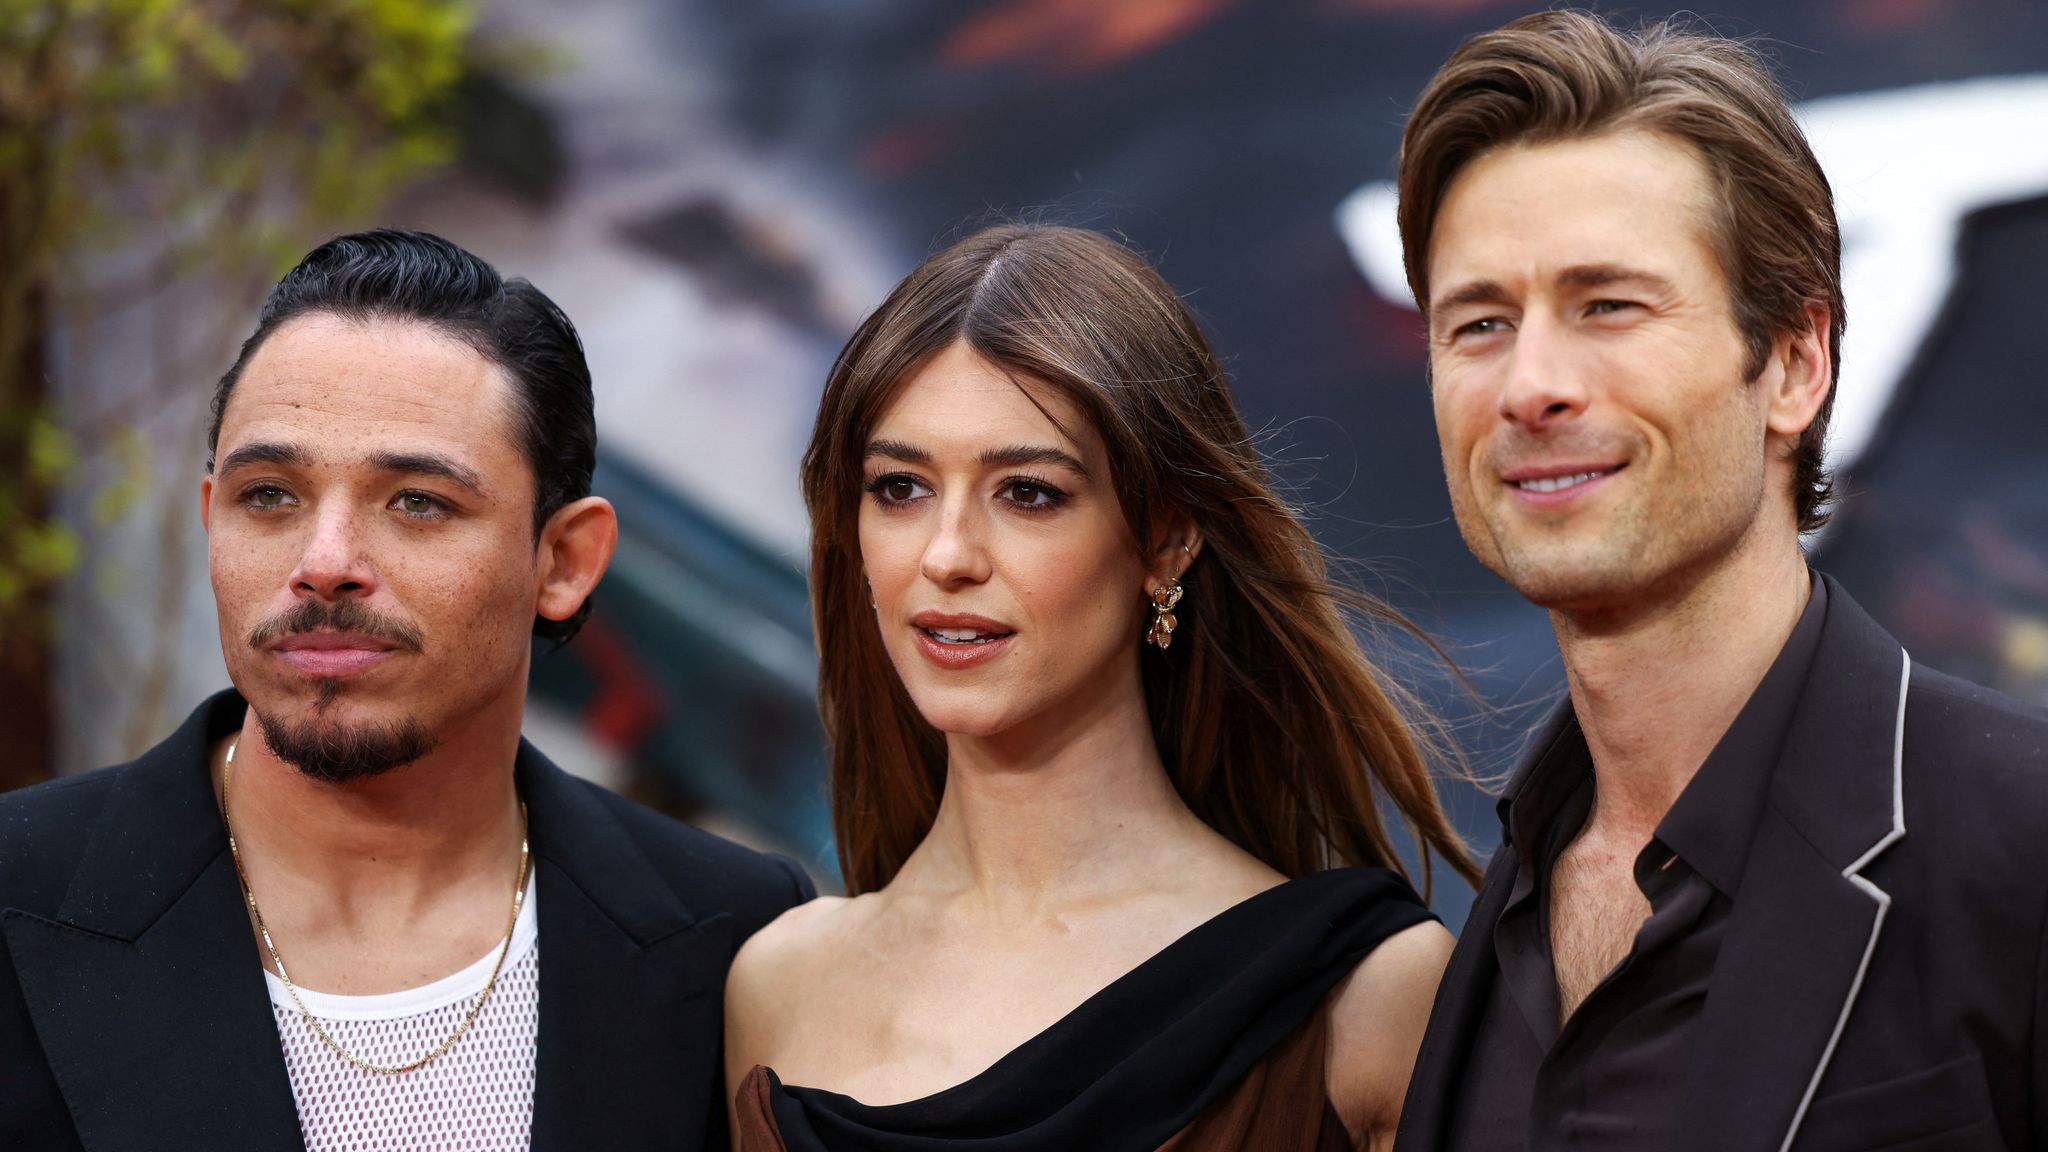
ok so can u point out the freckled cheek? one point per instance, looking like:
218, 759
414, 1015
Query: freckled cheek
232, 597
470, 590
250, 573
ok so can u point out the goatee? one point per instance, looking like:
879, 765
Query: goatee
340, 753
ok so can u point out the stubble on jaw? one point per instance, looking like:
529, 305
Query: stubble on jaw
1673, 512
1556, 569
1647, 549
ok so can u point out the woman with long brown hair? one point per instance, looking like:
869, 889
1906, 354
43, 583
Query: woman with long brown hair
1106, 754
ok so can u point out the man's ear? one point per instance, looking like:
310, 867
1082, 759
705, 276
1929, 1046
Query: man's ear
1175, 544
1804, 377
575, 548
206, 503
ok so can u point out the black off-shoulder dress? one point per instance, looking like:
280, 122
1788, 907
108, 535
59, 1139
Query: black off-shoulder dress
1217, 1042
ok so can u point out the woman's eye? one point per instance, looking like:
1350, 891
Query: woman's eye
1032, 494
895, 488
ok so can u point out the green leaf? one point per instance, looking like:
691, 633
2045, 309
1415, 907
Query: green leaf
50, 452
45, 551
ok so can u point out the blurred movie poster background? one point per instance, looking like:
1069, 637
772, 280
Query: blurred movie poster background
717, 192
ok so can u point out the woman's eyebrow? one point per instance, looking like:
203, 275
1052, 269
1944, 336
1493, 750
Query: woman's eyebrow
897, 450
1025, 455
1010, 456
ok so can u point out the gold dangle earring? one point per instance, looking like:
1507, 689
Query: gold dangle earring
1164, 597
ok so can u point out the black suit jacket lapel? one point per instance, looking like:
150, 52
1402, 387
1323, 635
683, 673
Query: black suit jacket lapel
1461, 997
631, 984
1805, 921
146, 991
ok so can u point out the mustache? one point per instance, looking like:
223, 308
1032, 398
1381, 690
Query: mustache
340, 616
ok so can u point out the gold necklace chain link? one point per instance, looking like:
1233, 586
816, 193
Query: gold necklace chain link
313, 1022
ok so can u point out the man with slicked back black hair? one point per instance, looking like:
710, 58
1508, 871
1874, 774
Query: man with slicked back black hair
393, 275
313, 917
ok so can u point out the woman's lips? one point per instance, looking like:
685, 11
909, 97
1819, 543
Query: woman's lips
969, 654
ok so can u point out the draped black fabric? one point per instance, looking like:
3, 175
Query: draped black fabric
1143, 1057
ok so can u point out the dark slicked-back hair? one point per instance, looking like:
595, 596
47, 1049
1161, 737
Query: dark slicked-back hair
1566, 75
389, 274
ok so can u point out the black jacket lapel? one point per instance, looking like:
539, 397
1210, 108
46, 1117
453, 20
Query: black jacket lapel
1468, 979
631, 984
145, 989
1805, 921
1460, 1001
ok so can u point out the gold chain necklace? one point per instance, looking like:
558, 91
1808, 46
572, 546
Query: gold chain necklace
518, 898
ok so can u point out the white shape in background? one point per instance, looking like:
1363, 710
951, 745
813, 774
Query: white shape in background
1907, 165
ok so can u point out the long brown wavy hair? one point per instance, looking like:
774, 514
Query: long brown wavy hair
1275, 727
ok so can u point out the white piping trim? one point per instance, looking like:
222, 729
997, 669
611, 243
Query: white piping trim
1882, 898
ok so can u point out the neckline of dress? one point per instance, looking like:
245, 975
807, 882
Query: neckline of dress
1090, 1006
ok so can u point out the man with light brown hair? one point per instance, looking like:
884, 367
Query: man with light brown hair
1765, 883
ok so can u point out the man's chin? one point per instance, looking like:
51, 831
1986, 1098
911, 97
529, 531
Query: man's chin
1578, 581
313, 711
338, 748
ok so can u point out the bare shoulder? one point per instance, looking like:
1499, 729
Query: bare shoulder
1410, 960
792, 945
1394, 985
776, 976
1377, 1018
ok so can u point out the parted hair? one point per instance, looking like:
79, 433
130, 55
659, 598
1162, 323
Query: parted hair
1275, 726
1563, 75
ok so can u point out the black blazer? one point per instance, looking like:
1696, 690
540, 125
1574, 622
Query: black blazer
133, 1012
1882, 981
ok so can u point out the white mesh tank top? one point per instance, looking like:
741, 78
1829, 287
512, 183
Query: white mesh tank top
477, 1097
